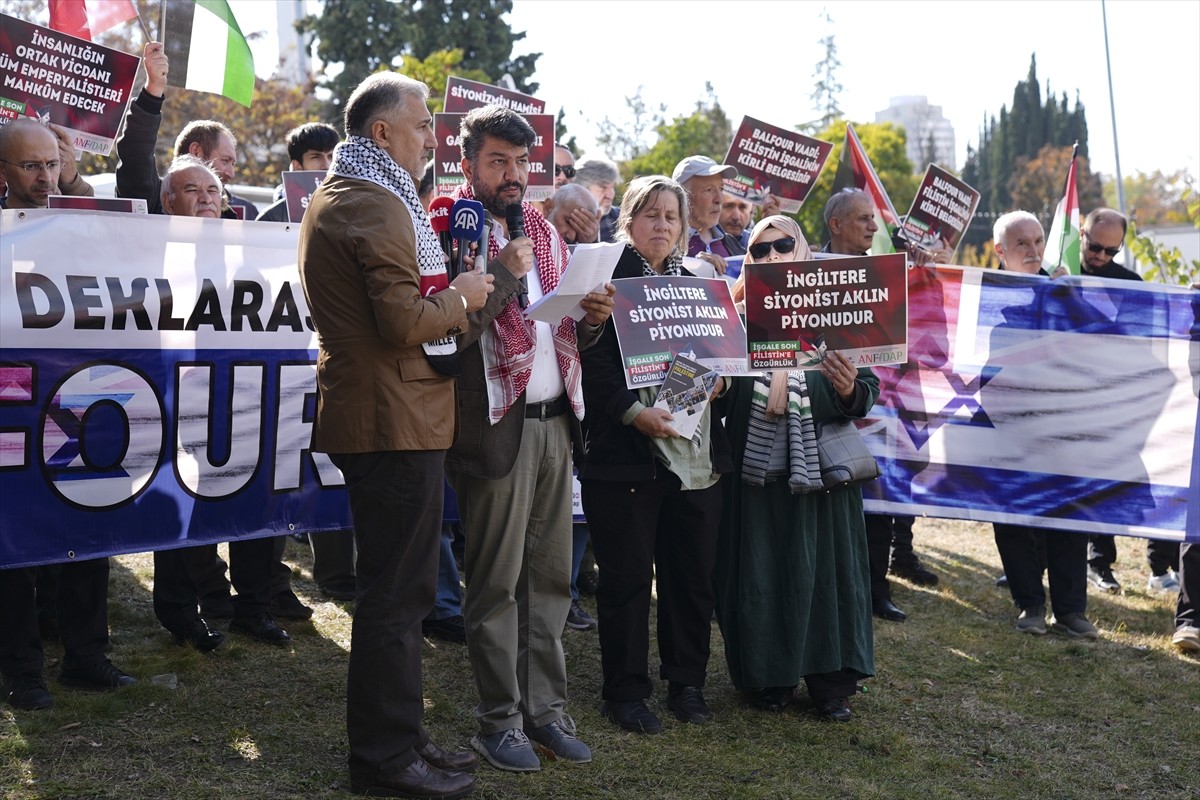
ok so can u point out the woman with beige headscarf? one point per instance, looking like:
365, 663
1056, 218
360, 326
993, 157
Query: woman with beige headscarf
792, 582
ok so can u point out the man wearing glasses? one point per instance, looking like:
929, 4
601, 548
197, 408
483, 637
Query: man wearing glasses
564, 165
38, 161
1102, 237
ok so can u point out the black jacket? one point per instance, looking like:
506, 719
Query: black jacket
614, 451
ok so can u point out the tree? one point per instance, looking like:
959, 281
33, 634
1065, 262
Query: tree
1154, 199
705, 132
475, 28
435, 70
1167, 264
1020, 133
1037, 183
625, 140
885, 146
364, 36
827, 87
560, 133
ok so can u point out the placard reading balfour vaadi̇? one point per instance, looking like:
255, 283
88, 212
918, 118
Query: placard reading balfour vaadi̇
776, 161
797, 311
53, 77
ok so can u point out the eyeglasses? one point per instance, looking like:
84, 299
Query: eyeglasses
34, 166
568, 170
1094, 247
782, 246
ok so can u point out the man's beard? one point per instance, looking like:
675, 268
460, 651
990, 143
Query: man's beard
492, 200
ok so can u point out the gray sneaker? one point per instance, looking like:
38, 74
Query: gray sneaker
578, 619
557, 740
1076, 626
1032, 620
508, 750
1187, 639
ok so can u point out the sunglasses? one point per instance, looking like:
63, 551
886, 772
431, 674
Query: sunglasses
1093, 247
568, 171
782, 246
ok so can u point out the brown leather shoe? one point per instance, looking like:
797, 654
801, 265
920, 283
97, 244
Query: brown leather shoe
420, 780
449, 760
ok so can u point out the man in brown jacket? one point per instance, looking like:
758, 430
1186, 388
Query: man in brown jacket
374, 277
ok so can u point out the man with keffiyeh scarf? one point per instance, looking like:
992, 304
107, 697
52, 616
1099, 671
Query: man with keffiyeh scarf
520, 402
374, 277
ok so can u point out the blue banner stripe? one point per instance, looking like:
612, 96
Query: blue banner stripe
1034, 494
1099, 306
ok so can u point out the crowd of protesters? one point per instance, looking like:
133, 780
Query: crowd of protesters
794, 578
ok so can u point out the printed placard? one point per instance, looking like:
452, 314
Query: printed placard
658, 318
71, 202
776, 161
447, 156
298, 188
941, 210
463, 95
52, 77
797, 311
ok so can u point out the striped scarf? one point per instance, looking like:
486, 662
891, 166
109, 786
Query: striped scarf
508, 345
804, 468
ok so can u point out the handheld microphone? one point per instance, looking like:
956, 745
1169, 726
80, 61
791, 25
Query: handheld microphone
514, 220
439, 218
466, 226
486, 242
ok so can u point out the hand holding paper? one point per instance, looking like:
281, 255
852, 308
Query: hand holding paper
586, 278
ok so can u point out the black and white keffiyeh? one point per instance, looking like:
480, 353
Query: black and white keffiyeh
804, 468
673, 265
360, 158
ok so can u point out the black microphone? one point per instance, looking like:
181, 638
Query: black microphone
514, 219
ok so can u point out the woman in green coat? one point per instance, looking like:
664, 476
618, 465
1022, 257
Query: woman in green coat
792, 582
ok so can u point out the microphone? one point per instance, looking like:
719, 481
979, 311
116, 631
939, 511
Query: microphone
466, 226
514, 219
439, 218
486, 242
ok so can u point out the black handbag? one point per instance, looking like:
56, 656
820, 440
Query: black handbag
843, 455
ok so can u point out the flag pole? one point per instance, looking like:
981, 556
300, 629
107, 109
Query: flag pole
1062, 236
1112, 109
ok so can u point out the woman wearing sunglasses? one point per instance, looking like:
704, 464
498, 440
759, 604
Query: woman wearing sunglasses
792, 582
652, 498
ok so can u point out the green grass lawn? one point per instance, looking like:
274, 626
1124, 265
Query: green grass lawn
961, 707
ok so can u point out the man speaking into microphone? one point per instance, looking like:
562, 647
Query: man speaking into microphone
520, 403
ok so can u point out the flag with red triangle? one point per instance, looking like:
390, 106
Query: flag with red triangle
1063, 243
86, 18
855, 170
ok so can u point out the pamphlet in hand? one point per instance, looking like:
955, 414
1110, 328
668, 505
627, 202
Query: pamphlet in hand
685, 393
591, 267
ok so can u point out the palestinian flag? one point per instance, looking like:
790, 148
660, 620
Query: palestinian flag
206, 28
85, 18
1063, 245
855, 170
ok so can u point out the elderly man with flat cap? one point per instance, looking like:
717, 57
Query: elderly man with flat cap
703, 179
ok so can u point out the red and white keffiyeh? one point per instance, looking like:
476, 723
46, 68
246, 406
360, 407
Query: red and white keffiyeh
508, 346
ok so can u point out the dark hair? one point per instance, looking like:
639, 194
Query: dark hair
495, 121
1102, 216
310, 136
379, 94
426, 185
204, 132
